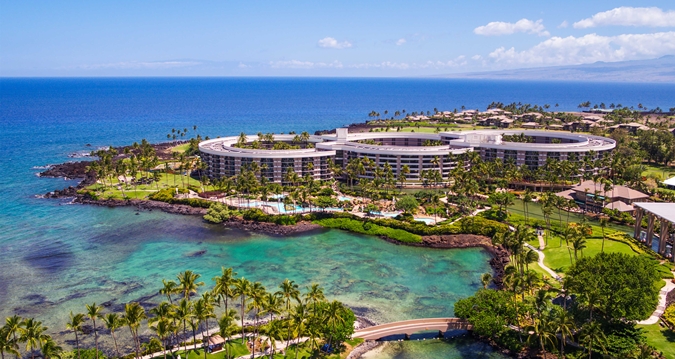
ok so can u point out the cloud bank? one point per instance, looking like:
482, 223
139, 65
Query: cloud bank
589, 48
630, 16
497, 28
331, 43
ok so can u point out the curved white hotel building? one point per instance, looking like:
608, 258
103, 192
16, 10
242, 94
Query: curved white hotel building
419, 151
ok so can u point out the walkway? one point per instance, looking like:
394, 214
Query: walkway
410, 327
661, 307
542, 242
542, 265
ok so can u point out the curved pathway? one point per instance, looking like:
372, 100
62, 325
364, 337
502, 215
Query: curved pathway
410, 327
542, 265
661, 307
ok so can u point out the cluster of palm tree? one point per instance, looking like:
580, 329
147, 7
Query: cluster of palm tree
177, 133
137, 162
30, 334
284, 315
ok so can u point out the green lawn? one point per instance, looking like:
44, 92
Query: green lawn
660, 338
237, 349
535, 215
167, 180
180, 148
558, 257
304, 352
663, 172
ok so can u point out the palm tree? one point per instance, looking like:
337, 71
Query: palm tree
93, 312
242, 288
486, 279
527, 198
202, 312
33, 335
257, 295
298, 318
591, 333
14, 325
170, 287
578, 244
226, 326
133, 316
188, 283
289, 290
75, 324
7, 344
50, 349
223, 288
275, 332
272, 304
183, 313
163, 328
314, 295
542, 329
564, 327
603, 224
334, 317
112, 322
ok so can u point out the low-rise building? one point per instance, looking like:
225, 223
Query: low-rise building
593, 197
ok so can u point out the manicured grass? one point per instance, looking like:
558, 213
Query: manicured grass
304, 353
357, 226
237, 349
558, 257
663, 172
660, 338
180, 148
536, 216
167, 180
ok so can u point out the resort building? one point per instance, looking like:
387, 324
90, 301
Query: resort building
592, 196
418, 151
664, 215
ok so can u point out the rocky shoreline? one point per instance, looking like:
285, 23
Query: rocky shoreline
271, 228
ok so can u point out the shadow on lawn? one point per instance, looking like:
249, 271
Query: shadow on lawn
668, 334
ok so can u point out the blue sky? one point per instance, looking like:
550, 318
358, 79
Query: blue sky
324, 38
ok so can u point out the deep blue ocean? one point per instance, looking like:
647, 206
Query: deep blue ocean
56, 257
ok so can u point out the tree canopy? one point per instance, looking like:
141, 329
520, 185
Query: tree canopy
626, 284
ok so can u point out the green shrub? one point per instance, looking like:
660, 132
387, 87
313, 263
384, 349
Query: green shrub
668, 316
370, 228
255, 214
168, 195
218, 213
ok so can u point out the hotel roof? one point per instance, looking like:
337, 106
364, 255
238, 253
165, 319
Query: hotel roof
663, 210
616, 192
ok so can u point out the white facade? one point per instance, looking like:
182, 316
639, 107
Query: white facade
418, 151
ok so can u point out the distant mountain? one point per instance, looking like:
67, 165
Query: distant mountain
654, 70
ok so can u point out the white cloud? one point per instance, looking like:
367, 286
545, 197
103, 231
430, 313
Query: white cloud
387, 65
497, 28
400, 42
153, 65
331, 43
630, 16
564, 24
244, 66
589, 48
476, 57
295, 64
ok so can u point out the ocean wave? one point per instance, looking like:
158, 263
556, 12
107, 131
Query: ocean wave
45, 167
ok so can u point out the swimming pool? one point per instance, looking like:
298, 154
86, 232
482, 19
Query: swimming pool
428, 221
